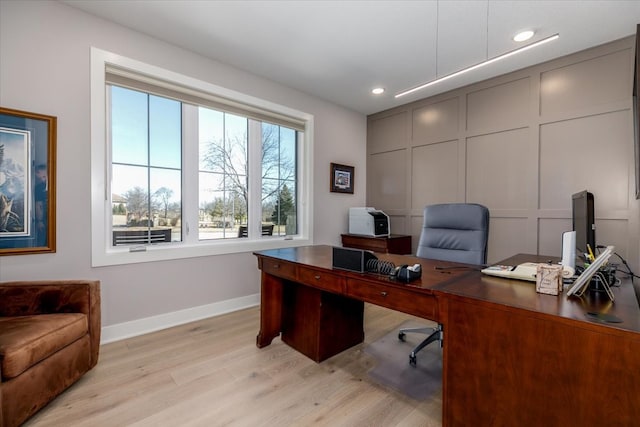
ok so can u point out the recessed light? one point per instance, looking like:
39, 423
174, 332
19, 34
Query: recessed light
523, 36
377, 91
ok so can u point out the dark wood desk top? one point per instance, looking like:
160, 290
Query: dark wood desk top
522, 295
466, 281
321, 257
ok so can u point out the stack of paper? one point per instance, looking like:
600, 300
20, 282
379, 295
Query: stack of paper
525, 271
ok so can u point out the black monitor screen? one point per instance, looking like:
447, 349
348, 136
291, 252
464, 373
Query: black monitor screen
583, 222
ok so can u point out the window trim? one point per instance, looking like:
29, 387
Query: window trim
102, 254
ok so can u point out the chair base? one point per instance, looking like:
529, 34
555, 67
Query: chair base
435, 334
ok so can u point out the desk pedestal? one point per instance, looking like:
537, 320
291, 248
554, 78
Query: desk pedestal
509, 367
320, 324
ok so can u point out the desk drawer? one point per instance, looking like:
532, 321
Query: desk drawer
405, 300
322, 280
282, 269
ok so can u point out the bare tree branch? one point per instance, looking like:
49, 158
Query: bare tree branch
229, 159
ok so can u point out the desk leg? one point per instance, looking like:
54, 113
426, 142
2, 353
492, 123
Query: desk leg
270, 310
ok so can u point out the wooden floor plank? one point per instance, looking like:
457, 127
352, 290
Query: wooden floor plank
210, 373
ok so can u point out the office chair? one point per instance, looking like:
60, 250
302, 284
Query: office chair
456, 232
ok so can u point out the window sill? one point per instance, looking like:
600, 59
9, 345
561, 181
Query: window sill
164, 252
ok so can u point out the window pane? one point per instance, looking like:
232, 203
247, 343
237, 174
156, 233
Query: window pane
166, 201
146, 201
279, 205
237, 201
128, 126
236, 149
222, 210
269, 202
215, 213
165, 129
283, 213
130, 198
270, 151
210, 131
288, 153
223, 183
291, 208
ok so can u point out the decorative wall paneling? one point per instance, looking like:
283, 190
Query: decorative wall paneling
521, 144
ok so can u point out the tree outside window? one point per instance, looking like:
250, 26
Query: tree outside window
224, 171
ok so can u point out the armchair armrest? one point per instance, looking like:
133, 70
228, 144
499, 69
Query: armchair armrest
26, 298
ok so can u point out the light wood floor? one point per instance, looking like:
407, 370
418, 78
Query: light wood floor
210, 373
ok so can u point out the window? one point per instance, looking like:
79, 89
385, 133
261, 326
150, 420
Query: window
223, 174
224, 165
279, 178
146, 171
183, 168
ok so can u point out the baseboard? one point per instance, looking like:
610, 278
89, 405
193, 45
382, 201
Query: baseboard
146, 325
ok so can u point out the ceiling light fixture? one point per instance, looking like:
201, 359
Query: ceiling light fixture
523, 36
481, 64
377, 91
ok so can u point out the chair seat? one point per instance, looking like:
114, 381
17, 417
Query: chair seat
26, 340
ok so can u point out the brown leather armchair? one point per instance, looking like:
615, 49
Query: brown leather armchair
49, 338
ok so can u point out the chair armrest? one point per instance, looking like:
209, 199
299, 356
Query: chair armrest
55, 296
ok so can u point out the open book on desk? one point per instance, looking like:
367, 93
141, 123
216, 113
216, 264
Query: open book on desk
525, 271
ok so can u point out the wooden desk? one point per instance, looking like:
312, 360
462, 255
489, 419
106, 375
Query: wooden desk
511, 356
394, 244
300, 284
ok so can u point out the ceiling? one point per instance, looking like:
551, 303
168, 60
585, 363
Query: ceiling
340, 50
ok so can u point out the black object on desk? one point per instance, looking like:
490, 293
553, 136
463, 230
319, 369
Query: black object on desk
351, 259
407, 273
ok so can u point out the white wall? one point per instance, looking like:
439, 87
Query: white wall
44, 68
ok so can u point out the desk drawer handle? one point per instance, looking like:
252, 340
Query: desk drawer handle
317, 277
276, 266
384, 294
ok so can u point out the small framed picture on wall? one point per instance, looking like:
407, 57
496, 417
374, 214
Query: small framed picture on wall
342, 178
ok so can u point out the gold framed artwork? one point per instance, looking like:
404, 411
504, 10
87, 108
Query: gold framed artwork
342, 178
27, 182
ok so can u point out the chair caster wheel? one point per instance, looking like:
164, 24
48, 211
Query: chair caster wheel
401, 336
412, 360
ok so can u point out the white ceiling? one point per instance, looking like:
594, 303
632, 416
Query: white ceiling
340, 50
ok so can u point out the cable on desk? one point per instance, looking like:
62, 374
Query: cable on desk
629, 272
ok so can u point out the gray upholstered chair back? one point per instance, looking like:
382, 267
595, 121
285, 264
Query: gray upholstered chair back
456, 232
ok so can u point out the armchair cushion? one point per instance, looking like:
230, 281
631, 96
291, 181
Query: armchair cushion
26, 340
27, 298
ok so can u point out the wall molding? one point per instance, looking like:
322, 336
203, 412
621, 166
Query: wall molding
521, 144
147, 325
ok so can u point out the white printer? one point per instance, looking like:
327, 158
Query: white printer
368, 222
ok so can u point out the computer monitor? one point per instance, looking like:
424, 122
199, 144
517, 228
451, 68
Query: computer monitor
583, 222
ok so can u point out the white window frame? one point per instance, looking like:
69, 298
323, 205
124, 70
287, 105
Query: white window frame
103, 253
